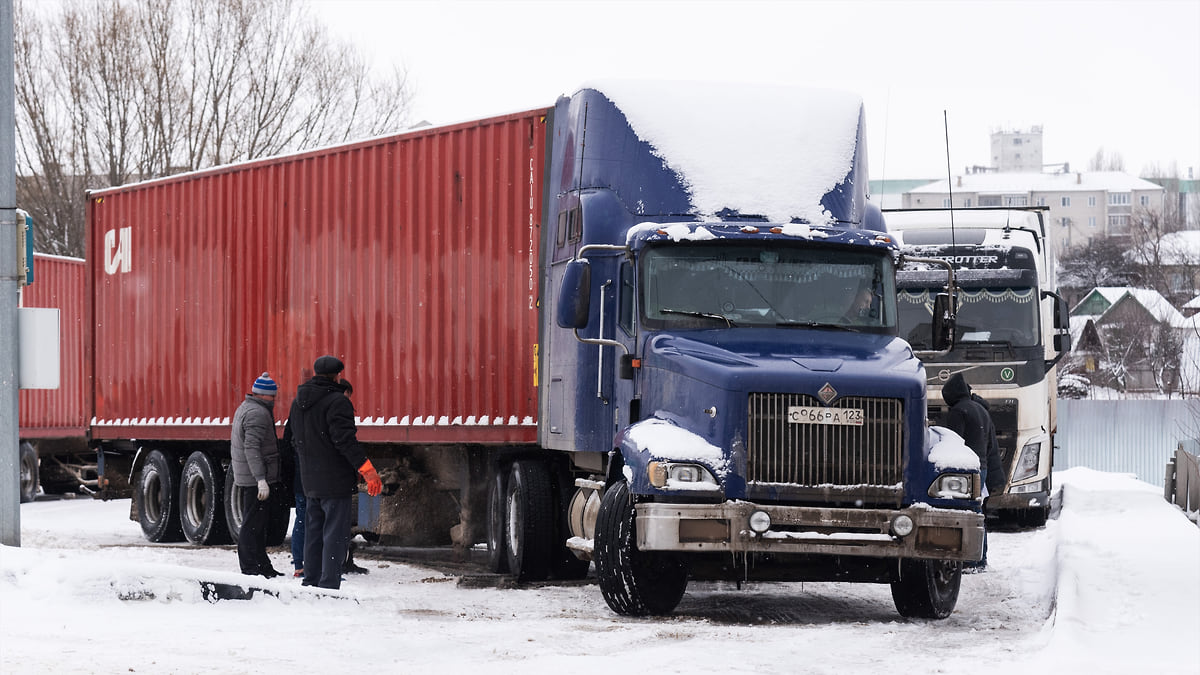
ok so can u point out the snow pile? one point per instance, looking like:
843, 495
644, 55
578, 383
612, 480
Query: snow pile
1109, 587
770, 151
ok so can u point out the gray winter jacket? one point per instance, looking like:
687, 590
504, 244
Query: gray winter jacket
253, 448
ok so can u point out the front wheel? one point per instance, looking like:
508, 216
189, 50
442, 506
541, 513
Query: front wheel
157, 496
927, 589
29, 473
634, 583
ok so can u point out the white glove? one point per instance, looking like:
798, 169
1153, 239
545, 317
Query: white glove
264, 490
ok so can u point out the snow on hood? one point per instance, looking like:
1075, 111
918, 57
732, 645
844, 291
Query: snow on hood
949, 451
665, 440
717, 143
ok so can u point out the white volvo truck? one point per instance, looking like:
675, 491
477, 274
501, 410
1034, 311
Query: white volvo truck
1011, 334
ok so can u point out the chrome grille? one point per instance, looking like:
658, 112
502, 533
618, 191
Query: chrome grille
821, 454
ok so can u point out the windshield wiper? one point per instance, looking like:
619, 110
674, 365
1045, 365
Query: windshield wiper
817, 324
705, 315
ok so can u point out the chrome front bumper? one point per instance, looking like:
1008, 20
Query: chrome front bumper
937, 534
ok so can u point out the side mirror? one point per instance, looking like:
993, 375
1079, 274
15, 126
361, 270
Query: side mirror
1062, 313
575, 296
943, 322
1062, 342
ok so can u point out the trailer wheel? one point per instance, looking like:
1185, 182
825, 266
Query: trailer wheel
233, 505
927, 589
530, 518
633, 582
496, 535
201, 500
157, 494
29, 473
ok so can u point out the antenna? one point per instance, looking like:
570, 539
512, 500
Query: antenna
949, 176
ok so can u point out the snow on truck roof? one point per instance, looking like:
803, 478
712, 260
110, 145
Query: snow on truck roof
772, 150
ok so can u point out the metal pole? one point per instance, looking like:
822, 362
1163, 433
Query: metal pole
10, 471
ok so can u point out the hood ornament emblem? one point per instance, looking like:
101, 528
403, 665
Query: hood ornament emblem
827, 393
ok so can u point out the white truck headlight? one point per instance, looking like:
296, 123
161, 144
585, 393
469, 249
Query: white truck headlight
955, 486
1027, 463
661, 474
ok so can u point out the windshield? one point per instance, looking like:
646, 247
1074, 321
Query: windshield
730, 284
985, 315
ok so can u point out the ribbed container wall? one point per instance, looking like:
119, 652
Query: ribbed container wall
413, 258
57, 413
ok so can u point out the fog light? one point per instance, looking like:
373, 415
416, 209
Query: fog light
760, 522
902, 526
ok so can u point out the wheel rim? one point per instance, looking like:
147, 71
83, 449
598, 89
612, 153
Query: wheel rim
152, 488
195, 505
26, 475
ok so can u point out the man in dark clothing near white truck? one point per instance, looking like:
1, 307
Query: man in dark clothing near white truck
968, 417
331, 459
256, 464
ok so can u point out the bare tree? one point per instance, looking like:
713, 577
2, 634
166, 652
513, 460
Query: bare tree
1104, 161
110, 91
1103, 261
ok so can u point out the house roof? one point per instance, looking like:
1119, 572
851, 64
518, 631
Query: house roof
1159, 307
1008, 183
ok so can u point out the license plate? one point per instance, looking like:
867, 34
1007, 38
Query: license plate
807, 414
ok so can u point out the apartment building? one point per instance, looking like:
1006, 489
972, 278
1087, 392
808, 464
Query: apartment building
1082, 204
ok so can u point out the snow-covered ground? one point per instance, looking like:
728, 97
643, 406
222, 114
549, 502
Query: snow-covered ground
1110, 586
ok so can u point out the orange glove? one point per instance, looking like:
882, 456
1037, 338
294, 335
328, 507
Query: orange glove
374, 485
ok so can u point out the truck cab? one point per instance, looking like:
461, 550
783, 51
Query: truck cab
735, 380
1010, 334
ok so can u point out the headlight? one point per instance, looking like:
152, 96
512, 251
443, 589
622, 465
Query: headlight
955, 486
661, 474
760, 521
1027, 463
902, 526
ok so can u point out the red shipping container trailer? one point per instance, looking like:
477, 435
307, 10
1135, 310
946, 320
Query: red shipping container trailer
53, 422
373, 252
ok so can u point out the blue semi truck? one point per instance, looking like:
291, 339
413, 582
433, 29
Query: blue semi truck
734, 366
653, 326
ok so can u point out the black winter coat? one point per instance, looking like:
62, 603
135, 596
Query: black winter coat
968, 417
325, 438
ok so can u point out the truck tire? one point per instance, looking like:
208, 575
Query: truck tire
29, 473
279, 523
927, 589
201, 500
496, 534
233, 505
529, 521
633, 582
157, 496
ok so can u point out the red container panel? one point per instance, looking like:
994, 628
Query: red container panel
413, 258
62, 412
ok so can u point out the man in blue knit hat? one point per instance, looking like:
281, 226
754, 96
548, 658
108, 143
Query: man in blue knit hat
256, 464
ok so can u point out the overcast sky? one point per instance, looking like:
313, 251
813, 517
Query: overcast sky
1123, 76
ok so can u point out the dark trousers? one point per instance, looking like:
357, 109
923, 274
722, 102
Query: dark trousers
326, 540
252, 540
